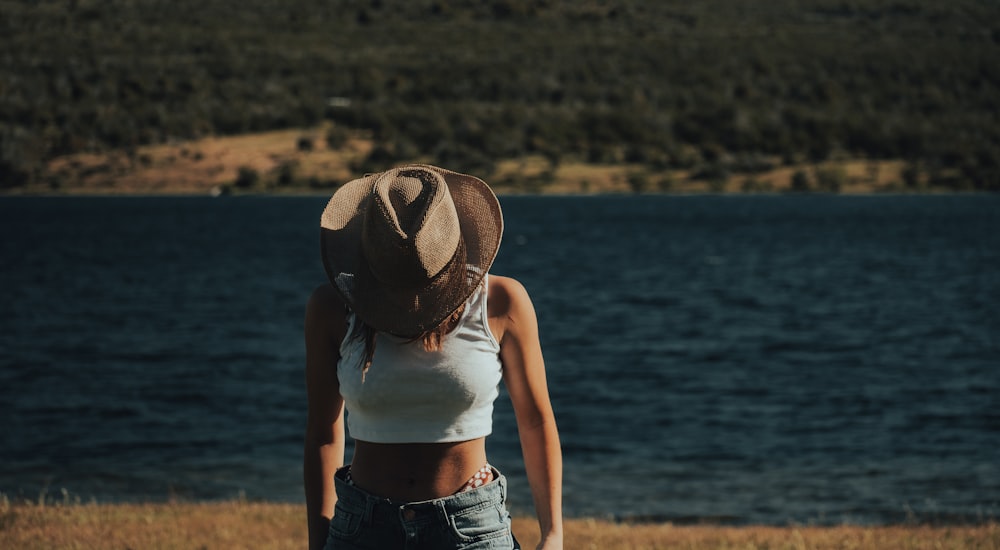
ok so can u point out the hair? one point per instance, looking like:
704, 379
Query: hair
431, 339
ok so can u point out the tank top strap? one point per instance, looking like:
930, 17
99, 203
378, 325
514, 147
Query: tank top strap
352, 320
476, 315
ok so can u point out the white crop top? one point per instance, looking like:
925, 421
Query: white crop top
410, 395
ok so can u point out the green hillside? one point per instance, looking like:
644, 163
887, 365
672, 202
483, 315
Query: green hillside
711, 86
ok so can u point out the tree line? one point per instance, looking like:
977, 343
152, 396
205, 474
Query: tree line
710, 86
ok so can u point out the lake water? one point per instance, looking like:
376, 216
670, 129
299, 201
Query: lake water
743, 359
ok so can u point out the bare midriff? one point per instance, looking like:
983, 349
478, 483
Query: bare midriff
416, 471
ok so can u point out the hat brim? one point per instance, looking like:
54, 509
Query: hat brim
409, 311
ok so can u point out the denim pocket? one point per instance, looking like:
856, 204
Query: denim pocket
346, 521
485, 523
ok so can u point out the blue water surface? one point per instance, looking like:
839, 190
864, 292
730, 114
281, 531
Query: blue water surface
743, 359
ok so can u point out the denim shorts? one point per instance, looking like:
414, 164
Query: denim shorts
472, 520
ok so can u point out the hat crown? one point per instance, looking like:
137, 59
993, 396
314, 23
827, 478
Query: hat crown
405, 248
411, 228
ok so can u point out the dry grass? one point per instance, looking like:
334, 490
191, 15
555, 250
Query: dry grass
258, 525
187, 526
206, 165
197, 167
590, 534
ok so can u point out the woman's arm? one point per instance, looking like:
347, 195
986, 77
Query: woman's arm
524, 377
324, 441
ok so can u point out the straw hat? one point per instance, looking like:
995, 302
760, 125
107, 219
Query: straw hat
406, 247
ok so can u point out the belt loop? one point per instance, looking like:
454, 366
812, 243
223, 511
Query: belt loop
370, 502
442, 510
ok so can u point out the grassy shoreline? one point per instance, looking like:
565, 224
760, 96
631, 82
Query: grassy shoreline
241, 524
296, 161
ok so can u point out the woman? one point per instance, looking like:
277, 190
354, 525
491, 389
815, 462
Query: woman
412, 337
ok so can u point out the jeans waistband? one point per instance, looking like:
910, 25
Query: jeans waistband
491, 494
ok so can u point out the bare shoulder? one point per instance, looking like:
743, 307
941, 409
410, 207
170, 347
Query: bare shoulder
510, 309
325, 295
325, 310
506, 294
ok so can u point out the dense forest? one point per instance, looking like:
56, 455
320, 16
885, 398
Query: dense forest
712, 86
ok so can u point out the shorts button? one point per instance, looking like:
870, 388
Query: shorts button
409, 515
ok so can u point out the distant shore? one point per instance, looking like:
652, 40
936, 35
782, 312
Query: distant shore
300, 161
239, 524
